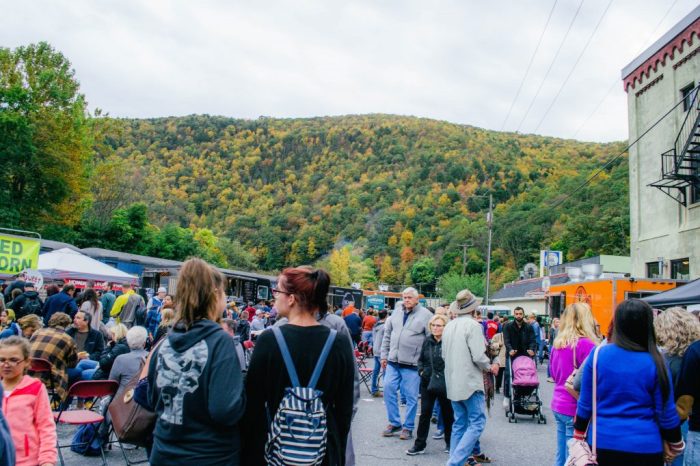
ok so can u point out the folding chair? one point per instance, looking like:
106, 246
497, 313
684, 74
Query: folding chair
78, 417
40, 365
365, 376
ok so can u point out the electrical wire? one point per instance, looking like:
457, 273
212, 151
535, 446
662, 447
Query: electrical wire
616, 80
546, 75
573, 68
529, 65
611, 161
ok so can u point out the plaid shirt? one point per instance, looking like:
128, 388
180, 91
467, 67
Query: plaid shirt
56, 346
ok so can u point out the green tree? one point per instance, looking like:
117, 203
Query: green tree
452, 283
423, 273
44, 139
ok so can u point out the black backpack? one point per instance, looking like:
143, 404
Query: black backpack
32, 306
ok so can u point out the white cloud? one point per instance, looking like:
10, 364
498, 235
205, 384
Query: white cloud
460, 61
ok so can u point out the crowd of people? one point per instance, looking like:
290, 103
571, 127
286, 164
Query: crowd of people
236, 384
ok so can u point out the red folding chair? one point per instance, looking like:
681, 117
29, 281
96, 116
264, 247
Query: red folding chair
78, 417
43, 366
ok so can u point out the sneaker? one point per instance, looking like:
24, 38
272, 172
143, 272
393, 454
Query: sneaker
377, 394
550, 380
414, 450
391, 430
482, 458
446, 450
438, 435
406, 434
433, 419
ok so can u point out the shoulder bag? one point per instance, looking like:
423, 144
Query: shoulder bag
569, 384
580, 454
132, 423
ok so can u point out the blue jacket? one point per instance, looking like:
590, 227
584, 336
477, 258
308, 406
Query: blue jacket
629, 402
60, 302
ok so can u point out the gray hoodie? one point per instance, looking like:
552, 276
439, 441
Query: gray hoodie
402, 343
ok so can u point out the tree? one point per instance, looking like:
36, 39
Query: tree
452, 283
44, 138
339, 266
387, 273
423, 273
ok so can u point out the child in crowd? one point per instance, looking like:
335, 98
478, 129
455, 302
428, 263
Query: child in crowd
26, 406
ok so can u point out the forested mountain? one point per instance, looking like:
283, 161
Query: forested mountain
375, 198
290, 190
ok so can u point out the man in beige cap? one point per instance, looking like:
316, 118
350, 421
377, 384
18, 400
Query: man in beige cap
464, 352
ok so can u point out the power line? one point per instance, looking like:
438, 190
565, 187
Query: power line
529, 65
578, 60
611, 161
556, 55
614, 83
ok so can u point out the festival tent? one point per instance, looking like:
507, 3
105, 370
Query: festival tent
67, 264
684, 295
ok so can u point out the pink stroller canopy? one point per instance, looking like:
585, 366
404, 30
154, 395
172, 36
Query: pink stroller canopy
525, 372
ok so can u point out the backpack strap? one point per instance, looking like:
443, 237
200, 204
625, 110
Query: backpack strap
322, 359
287, 357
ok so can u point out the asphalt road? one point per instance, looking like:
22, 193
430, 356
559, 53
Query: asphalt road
523, 444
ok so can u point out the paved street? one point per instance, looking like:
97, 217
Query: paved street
523, 444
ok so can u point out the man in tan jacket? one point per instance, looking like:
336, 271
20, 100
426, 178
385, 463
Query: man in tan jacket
464, 352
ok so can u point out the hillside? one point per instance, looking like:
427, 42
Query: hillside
290, 190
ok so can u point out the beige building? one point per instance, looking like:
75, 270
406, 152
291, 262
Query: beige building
664, 164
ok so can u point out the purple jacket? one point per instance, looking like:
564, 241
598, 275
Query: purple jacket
561, 366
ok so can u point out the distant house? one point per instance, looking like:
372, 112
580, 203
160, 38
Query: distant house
664, 166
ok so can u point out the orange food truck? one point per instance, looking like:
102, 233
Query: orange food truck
604, 294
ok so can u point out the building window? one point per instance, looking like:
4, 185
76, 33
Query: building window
654, 270
680, 269
687, 94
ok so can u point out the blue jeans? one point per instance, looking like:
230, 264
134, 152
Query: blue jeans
367, 336
408, 382
470, 420
682, 457
82, 371
565, 431
375, 374
540, 351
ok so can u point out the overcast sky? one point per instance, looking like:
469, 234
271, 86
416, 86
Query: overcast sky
460, 61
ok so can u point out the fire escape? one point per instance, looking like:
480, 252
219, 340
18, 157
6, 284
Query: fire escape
680, 166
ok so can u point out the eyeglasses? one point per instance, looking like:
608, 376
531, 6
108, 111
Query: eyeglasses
275, 291
12, 362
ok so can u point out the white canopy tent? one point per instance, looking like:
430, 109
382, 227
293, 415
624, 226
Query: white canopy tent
67, 264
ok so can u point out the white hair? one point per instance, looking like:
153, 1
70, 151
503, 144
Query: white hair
136, 337
410, 291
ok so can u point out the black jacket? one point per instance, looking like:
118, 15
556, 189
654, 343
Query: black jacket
243, 329
430, 360
108, 356
95, 343
196, 388
520, 338
19, 305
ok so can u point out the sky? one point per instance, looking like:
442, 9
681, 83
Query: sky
462, 61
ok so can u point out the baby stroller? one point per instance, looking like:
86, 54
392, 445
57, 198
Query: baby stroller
524, 387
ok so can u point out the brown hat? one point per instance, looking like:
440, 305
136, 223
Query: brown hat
465, 303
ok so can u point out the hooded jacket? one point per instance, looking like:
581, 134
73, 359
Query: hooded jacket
196, 387
28, 413
60, 302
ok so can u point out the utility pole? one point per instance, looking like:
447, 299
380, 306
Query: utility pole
464, 256
489, 222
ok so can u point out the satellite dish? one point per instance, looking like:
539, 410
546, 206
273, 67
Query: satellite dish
530, 270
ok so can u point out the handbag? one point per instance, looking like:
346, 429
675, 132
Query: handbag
580, 454
437, 385
569, 384
132, 423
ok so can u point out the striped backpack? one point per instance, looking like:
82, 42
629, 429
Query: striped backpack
298, 431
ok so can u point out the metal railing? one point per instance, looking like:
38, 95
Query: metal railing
690, 123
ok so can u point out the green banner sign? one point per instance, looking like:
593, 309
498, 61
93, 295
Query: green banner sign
18, 254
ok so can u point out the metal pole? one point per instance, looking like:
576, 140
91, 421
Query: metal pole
464, 259
489, 221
